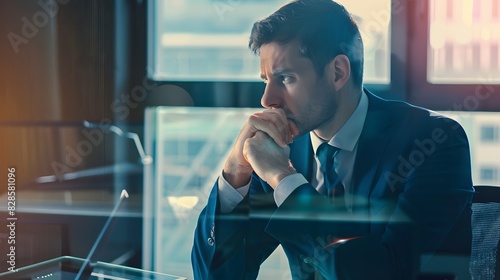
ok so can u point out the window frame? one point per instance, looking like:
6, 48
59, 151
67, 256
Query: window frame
396, 89
443, 97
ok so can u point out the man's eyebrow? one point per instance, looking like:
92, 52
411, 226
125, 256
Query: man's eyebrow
277, 72
281, 71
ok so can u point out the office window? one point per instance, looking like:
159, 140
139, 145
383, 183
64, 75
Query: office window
489, 174
193, 40
489, 133
480, 129
464, 42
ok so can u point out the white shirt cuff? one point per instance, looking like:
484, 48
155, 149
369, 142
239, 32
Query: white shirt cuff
230, 197
286, 186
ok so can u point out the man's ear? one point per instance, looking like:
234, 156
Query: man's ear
339, 71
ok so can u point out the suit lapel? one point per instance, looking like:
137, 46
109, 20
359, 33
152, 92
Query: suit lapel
372, 143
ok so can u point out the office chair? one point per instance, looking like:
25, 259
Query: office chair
485, 256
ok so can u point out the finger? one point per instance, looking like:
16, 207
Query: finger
290, 129
256, 143
245, 150
275, 124
283, 125
275, 131
249, 144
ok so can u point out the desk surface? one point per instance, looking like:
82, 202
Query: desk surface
67, 267
75, 202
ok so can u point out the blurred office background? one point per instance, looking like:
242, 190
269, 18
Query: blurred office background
179, 75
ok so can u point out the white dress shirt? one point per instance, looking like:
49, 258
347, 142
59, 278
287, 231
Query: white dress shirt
346, 139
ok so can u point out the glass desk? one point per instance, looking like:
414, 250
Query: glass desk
66, 267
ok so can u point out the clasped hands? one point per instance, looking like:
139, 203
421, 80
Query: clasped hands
262, 147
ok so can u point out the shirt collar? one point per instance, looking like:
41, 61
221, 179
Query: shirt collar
348, 135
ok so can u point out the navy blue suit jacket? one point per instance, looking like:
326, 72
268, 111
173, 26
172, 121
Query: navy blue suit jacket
412, 187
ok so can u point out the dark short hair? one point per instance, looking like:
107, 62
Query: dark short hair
323, 28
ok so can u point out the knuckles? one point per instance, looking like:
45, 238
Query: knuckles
257, 140
253, 117
259, 135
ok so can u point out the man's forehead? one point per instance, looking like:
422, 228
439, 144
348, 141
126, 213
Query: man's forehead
276, 49
276, 56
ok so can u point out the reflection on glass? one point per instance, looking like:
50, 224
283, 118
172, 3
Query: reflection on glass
189, 146
66, 267
464, 39
207, 40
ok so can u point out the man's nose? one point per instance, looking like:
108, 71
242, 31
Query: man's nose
271, 97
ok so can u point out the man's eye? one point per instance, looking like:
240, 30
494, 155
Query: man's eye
285, 79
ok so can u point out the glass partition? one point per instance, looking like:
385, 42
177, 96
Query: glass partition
189, 147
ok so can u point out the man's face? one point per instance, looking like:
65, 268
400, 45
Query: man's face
292, 84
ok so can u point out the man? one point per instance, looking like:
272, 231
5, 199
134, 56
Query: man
396, 187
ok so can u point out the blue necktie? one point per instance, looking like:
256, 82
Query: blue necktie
333, 184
